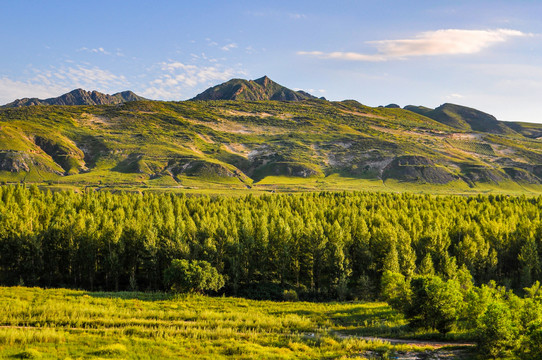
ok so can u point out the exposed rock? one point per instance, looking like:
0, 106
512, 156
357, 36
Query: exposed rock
413, 168
15, 161
252, 90
482, 174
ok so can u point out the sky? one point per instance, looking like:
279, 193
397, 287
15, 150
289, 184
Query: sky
481, 54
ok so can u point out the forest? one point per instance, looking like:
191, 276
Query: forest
323, 245
448, 263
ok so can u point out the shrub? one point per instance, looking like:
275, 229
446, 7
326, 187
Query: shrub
497, 334
290, 295
532, 345
435, 303
195, 276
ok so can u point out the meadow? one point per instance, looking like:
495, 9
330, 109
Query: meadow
72, 324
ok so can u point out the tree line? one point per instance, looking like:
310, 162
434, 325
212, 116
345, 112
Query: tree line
323, 245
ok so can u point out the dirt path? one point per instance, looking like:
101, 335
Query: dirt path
422, 343
440, 350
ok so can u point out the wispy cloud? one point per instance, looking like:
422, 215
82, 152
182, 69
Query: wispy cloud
83, 76
176, 77
228, 47
454, 96
430, 43
12, 89
343, 55
99, 50
297, 16
57, 80
276, 14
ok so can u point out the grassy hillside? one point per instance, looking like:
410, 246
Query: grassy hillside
254, 146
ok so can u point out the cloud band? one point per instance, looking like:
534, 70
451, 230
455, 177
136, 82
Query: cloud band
430, 43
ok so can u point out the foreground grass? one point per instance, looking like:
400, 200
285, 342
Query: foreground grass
61, 324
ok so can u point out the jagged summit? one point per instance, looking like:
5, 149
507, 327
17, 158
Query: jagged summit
260, 89
79, 97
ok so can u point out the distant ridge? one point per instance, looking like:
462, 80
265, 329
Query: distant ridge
252, 90
79, 97
462, 118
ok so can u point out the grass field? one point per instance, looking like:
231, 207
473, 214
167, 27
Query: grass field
70, 324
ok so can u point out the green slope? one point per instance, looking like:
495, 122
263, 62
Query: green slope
259, 146
463, 118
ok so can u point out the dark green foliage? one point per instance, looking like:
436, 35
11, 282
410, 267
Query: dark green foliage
496, 332
532, 345
396, 290
323, 245
434, 303
196, 276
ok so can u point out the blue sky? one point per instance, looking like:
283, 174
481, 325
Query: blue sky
483, 54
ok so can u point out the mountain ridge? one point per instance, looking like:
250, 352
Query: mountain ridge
252, 90
79, 97
463, 118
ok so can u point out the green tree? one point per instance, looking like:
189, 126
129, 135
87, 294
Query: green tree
396, 290
434, 303
496, 333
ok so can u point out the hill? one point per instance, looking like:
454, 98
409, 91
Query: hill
267, 145
463, 118
79, 97
252, 90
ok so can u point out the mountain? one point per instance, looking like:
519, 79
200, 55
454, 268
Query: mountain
268, 145
252, 90
463, 118
80, 97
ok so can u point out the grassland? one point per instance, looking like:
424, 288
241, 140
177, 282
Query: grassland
64, 324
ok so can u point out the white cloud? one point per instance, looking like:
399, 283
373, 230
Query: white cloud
177, 77
343, 55
228, 47
311, 91
99, 50
454, 96
297, 16
56, 81
11, 89
90, 77
430, 43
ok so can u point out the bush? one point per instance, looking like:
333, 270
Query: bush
290, 295
195, 276
497, 334
434, 303
395, 290
532, 345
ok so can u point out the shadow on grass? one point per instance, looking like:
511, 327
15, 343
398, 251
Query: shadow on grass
129, 295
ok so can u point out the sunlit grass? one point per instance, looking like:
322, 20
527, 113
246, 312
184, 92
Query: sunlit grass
67, 323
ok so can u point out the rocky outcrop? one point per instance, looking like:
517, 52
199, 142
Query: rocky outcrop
411, 168
252, 90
